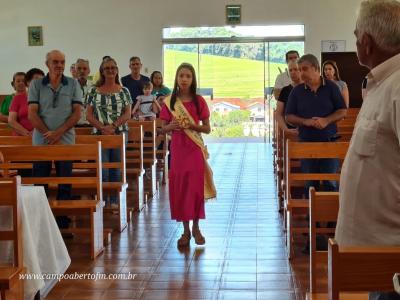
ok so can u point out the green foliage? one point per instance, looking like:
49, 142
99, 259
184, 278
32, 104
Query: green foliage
229, 125
253, 51
238, 117
229, 77
235, 131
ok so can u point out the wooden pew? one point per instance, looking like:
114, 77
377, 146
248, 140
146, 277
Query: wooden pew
15, 140
83, 130
324, 208
17, 157
149, 154
360, 269
119, 188
134, 169
11, 287
6, 131
4, 125
297, 151
162, 154
282, 173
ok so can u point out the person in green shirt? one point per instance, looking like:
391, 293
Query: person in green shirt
19, 88
158, 85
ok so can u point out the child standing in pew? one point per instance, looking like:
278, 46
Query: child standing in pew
190, 177
146, 106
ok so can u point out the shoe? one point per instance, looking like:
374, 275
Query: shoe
198, 237
184, 240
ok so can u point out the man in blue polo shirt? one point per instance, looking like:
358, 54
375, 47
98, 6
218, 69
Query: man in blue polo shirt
134, 81
315, 107
54, 108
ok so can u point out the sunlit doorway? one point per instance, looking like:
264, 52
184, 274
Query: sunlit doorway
236, 70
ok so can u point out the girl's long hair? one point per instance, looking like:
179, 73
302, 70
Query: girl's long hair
102, 79
192, 89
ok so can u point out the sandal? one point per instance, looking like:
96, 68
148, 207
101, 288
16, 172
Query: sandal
198, 237
184, 240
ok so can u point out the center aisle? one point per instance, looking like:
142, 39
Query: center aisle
244, 256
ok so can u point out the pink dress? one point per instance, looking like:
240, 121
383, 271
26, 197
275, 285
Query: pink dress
186, 175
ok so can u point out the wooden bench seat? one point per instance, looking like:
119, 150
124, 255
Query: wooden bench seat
93, 208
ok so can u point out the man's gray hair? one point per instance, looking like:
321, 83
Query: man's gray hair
311, 59
81, 60
381, 20
52, 52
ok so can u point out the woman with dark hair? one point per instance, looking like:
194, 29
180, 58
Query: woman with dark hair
330, 71
190, 177
108, 109
159, 88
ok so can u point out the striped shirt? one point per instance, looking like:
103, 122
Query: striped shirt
107, 108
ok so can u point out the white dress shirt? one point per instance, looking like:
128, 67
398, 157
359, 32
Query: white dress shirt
282, 80
369, 211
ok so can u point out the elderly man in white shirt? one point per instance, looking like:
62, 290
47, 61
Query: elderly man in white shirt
370, 179
283, 79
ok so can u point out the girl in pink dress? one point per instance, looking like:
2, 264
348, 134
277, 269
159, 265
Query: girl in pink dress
186, 176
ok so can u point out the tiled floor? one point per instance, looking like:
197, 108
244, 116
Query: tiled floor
244, 256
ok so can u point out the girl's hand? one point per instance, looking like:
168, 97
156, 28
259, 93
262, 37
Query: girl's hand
174, 125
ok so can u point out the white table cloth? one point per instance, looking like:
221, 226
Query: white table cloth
44, 250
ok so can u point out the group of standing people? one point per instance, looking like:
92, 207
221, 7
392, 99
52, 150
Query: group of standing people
369, 211
309, 107
54, 104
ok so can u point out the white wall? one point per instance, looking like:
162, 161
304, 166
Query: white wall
123, 28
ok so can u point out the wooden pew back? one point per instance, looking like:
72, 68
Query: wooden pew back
324, 208
108, 142
6, 131
17, 157
15, 140
10, 199
354, 269
296, 151
11, 287
83, 130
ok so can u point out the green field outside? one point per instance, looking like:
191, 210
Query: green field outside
229, 77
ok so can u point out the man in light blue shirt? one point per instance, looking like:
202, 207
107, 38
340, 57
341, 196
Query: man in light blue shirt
54, 108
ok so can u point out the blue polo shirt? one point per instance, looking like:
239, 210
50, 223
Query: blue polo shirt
135, 87
55, 106
307, 104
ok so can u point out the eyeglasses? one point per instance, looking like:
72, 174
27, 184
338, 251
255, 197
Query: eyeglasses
55, 98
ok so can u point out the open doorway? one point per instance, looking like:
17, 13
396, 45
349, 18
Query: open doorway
236, 70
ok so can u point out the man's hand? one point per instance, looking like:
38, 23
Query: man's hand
320, 123
292, 131
108, 130
309, 123
52, 137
